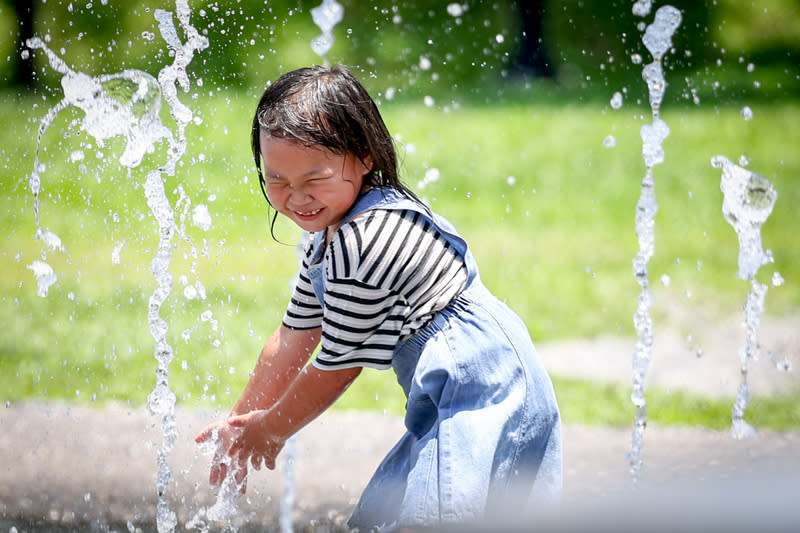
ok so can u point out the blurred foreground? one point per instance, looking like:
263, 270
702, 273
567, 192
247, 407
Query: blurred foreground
68, 468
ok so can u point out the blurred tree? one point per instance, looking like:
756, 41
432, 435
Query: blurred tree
415, 47
23, 73
532, 57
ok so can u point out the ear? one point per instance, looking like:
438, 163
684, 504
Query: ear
367, 164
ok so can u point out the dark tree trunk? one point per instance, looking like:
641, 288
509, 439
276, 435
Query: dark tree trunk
24, 72
533, 59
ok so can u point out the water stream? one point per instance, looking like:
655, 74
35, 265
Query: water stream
127, 104
748, 199
657, 39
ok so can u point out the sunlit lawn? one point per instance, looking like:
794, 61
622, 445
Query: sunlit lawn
547, 209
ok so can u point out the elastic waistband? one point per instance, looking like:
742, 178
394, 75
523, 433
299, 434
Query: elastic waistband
475, 294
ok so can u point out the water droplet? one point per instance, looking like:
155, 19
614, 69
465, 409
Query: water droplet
641, 8
202, 217
50, 239
322, 44
455, 10
432, 175
115, 253
429, 101
424, 63
190, 292
653, 136
748, 199
666, 280
45, 277
747, 113
511, 180
610, 141
327, 15
777, 279
782, 364
616, 100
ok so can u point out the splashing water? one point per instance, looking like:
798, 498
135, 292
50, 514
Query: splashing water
227, 497
45, 277
748, 199
161, 401
123, 104
641, 8
657, 39
326, 15
128, 104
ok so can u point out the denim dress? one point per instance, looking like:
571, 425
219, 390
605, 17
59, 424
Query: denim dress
483, 430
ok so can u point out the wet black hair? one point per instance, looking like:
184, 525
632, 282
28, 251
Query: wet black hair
327, 107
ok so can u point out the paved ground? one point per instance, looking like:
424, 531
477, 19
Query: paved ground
68, 465
75, 466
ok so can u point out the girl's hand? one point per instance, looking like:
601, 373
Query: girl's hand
256, 441
222, 435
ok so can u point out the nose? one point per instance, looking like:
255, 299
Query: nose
298, 195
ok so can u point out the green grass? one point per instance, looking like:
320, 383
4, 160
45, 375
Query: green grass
547, 209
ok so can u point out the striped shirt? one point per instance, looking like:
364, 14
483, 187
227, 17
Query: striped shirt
388, 273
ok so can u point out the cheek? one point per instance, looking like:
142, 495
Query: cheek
277, 195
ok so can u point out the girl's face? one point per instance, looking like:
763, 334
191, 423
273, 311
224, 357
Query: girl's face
311, 185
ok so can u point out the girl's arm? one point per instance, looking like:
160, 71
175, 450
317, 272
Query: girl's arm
281, 359
283, 356
264, 432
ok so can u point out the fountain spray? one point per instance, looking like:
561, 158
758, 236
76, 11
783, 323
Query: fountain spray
658, 40
127, 104
748, 199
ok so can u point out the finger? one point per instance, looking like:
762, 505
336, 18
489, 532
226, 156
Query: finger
240, 476
235, 447
204, 435
238, 421
218, 473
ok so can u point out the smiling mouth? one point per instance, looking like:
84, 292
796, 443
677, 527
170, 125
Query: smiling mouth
308, 213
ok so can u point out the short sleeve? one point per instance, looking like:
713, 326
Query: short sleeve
361, 326
387, 273
304, 310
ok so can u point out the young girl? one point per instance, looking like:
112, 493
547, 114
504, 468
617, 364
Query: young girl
386, 283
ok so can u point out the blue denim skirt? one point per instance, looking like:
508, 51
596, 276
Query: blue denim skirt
483, 427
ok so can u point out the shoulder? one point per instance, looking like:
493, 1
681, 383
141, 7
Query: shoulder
379, 245
378, 226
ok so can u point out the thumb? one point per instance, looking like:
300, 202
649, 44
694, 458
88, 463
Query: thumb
239, 420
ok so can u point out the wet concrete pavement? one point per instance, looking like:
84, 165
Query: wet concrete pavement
77, 465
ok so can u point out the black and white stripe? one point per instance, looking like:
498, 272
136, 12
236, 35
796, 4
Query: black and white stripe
388, 272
